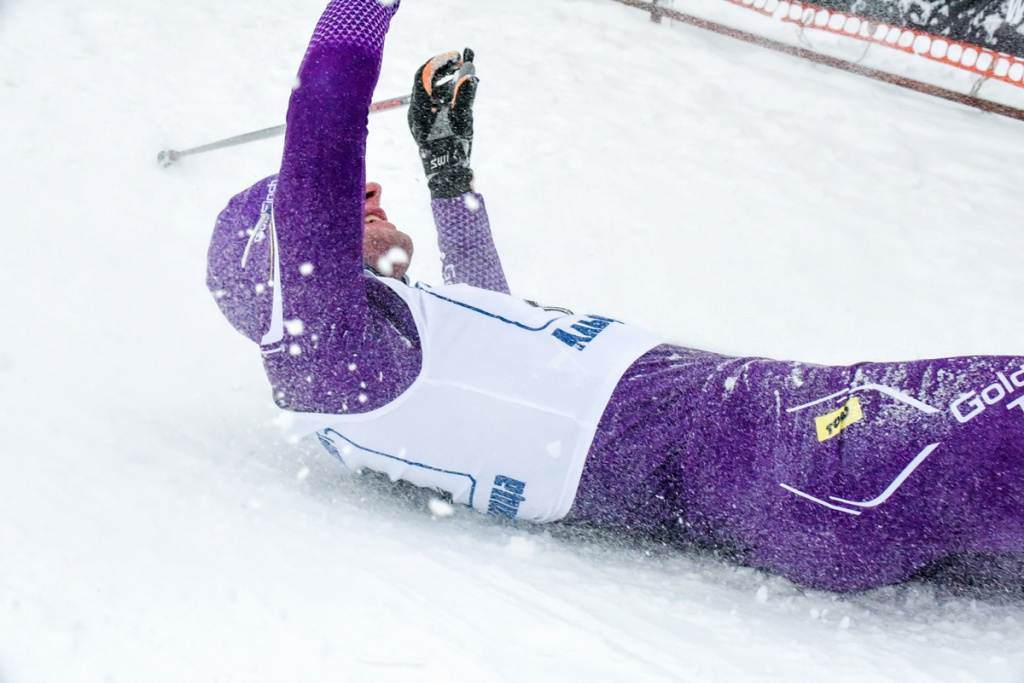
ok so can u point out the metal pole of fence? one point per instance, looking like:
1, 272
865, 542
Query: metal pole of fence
655, 12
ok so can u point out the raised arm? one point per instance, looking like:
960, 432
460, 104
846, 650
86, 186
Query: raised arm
344, 342
441, 122
318, 210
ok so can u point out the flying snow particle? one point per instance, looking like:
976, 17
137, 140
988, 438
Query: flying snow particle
302, 473
295, 327
363, 398
762, 594
844, 623
352, 367
260, 288
306, 269
295, 350
386, 263
440, 508
471, 202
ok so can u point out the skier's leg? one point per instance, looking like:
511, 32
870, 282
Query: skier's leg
875, 470
842, 478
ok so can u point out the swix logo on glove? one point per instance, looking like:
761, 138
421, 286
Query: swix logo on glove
438, 162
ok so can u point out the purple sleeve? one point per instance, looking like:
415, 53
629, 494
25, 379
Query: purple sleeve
350, 344
467, 249
321, 188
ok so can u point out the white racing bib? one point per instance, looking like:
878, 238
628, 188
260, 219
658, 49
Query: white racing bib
504, 409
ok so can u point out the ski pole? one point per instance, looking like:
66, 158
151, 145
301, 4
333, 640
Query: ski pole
169, 156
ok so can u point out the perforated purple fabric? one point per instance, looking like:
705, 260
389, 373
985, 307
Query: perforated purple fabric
468, 254
354, 22
356, 348
838, 477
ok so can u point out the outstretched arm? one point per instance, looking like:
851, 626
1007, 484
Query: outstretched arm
441, 122
345, 342
318, 210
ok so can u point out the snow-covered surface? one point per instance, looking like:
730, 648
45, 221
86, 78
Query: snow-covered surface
155, 527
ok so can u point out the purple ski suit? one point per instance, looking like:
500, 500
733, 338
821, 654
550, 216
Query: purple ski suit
841, 478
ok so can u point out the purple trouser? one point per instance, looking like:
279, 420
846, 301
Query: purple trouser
841, 478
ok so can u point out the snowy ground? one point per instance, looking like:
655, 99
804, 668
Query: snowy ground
154, 526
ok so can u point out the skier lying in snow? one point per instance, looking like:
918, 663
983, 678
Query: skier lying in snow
842, 478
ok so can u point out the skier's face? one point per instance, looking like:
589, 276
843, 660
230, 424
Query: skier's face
386, 249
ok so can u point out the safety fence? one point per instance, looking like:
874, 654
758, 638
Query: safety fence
976, 59
984, 63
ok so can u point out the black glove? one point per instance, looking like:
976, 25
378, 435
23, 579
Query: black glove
441, 121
